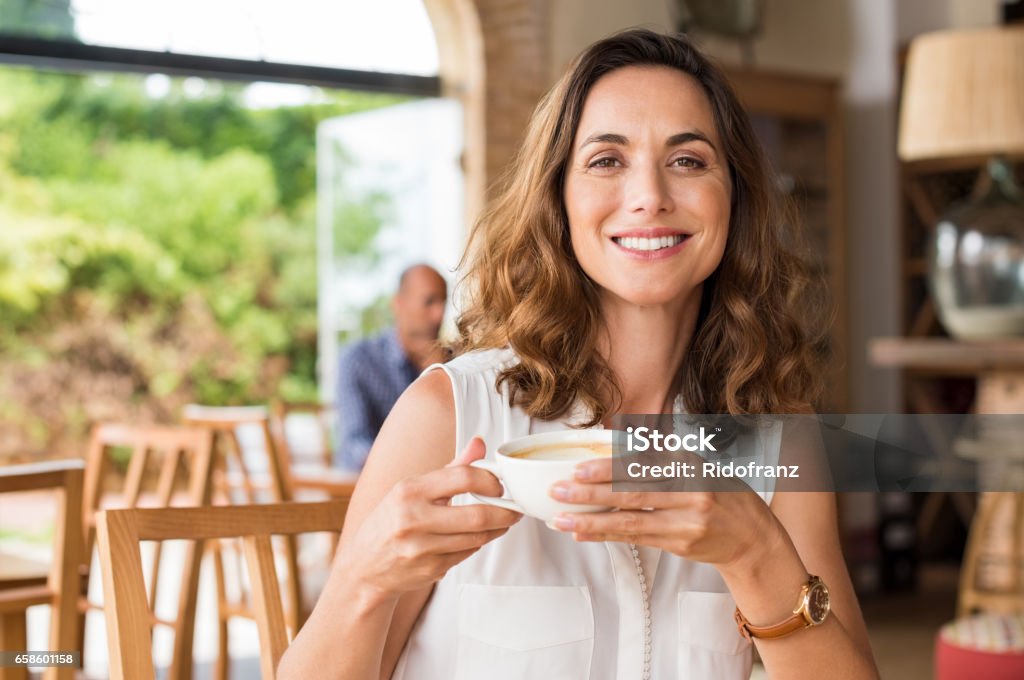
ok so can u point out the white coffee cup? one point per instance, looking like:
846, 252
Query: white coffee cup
528, 466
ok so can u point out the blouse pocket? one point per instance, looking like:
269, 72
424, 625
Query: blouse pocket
515, 632
710, 645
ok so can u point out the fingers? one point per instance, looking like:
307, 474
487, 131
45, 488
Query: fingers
438, 519
605, 470
594, 471
449, 560
475, 450
633, 526
602, 494
449, 481
416, 513
599, 470
456, 543
624, 522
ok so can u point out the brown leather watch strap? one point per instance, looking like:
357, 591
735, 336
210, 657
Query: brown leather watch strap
793, 623
811, 609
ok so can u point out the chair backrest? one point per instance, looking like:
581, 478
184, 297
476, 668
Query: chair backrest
235, 466
179, 453
161, 459
120, 532
61, 588
317, 417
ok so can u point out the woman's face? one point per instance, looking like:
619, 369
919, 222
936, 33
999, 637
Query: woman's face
647, 190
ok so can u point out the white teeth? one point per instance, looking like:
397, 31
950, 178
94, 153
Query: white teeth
637, 243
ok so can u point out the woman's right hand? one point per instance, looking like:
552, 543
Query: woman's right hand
413, 536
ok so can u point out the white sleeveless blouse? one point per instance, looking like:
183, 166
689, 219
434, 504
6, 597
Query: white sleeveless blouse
536, 604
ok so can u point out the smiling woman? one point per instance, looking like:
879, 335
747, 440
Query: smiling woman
638, 261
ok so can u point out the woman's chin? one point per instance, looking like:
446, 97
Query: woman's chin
649, 299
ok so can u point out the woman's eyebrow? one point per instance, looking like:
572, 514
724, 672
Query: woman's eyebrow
691, 136
606, 138
674, 140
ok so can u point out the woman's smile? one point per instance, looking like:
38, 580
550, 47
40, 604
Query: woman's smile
650, 244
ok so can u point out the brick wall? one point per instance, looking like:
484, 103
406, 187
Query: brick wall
516, 66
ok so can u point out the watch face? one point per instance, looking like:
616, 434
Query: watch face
817, 603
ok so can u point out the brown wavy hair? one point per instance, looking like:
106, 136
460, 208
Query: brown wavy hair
756, 347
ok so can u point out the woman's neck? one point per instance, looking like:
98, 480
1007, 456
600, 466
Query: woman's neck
644, 348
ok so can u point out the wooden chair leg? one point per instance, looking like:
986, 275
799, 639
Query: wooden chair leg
65, 576
80, 615
220, 669
13, 638
296, 615
181, 660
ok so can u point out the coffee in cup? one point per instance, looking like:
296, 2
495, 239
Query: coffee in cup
565, 451
528, 466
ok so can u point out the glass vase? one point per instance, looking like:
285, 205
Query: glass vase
976, 262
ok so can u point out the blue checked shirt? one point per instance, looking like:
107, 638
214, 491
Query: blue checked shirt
372, 374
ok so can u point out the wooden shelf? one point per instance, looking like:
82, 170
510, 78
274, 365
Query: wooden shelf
948, 357
998, 366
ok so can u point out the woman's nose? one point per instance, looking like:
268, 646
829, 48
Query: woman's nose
648, 191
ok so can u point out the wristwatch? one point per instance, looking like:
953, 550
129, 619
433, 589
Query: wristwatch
811, 610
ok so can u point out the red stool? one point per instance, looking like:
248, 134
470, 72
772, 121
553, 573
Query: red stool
989, 646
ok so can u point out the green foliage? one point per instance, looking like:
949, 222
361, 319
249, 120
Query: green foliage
39, 18
115, 108
44, 259
156, 252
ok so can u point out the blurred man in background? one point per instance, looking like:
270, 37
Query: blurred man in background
373, 373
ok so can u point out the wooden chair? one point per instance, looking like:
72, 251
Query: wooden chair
121, 530
61, 588
180, 455
244, 477
322, 452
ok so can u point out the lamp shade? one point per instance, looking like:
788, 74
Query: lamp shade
963, 94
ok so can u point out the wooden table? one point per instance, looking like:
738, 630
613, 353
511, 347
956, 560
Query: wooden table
17, 571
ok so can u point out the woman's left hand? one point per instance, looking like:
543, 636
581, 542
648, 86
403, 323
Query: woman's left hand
726, 528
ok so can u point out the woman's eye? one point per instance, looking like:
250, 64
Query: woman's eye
687, 162
605, 162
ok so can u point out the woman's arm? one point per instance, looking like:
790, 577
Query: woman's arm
765, 583
767, 579
400, 537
